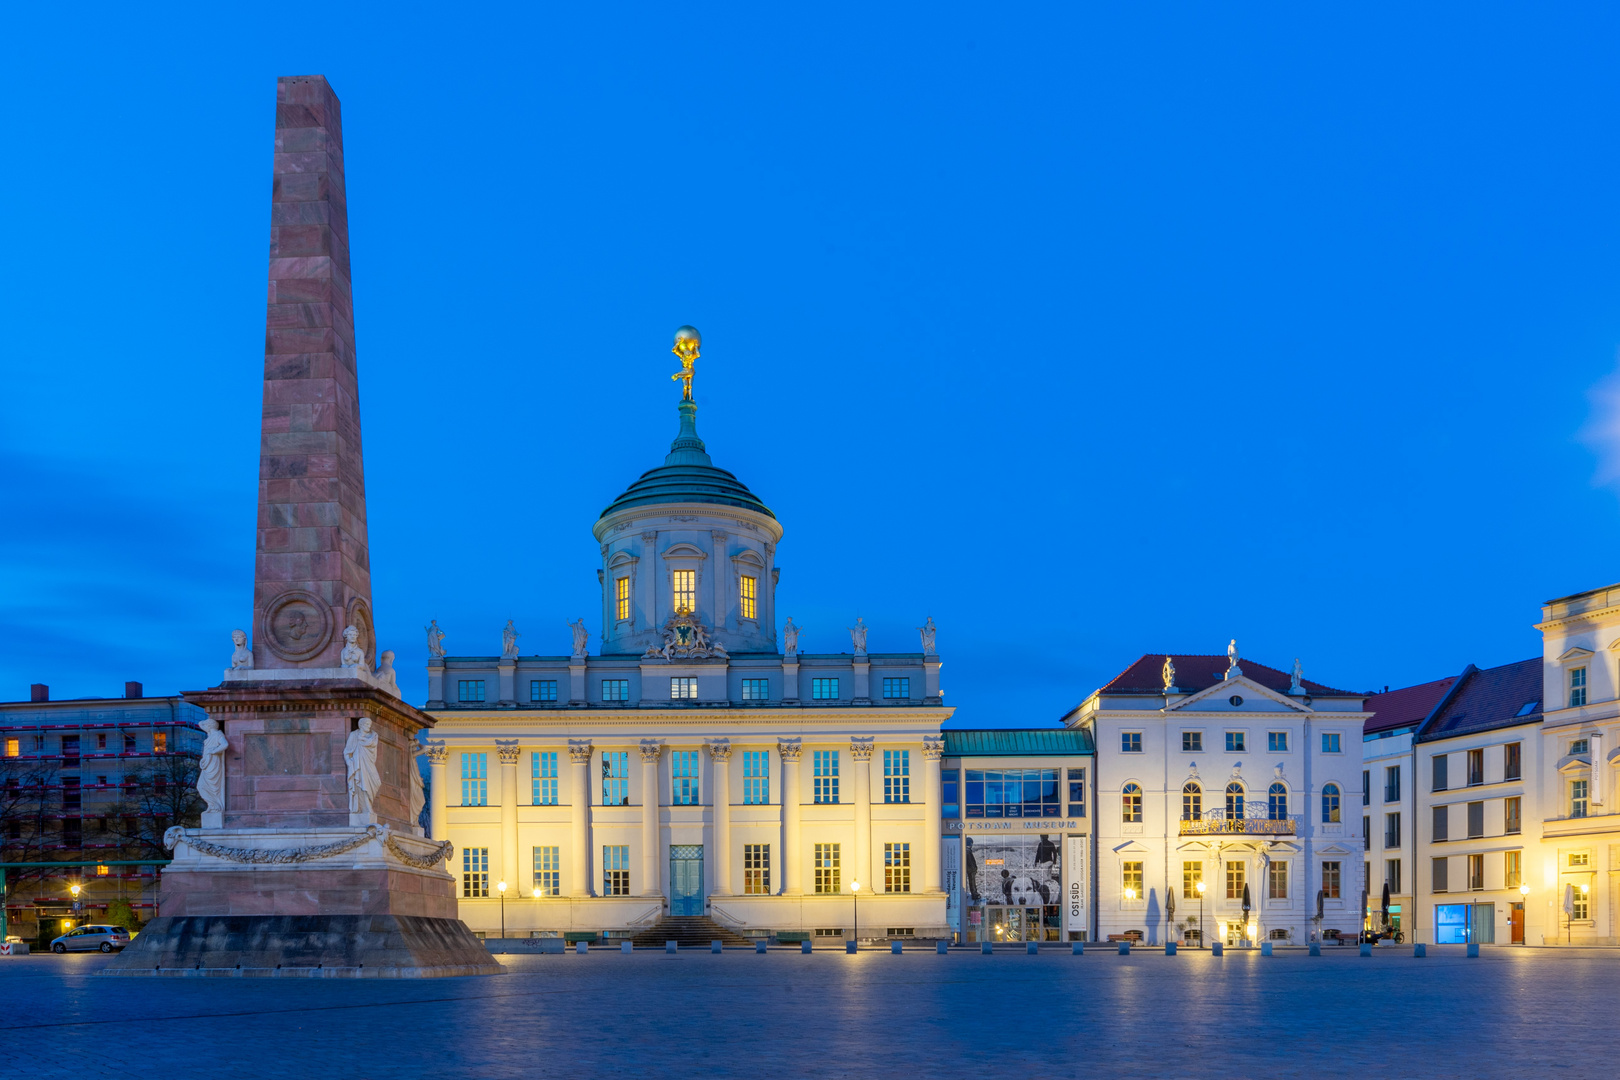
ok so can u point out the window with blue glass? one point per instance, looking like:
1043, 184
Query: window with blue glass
683, 775
1077, 793
474, 779
756, 689
897, 688
1277, 802
615, 689
824, 689
470, 690
1130, 742
615, 778
950, 806
825, 765
1012, 793
1276, 742
544, 764
543, 690
756, 777
897, 776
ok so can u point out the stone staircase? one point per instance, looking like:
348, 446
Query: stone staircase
692, 931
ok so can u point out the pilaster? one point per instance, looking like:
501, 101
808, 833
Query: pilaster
860, 751
931, 695
651, 752
863, 680
789, 752
790, 680
579, 863
933, 750
439, 797
507, 751
720, 756
576, 681
508, 676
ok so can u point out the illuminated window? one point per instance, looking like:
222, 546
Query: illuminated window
470, 690
685, 597
756, 689
13, 747
1330, 803
825, 767
545, 778
756, 777
474, 779
1512, 869
1330, 880
1192, 801
1277, 802
897, 688
475, 872
1191, 874
897, 868
616, 778
1581, 904
1579, 746
683, 771
683, 689
160, 743
1234, 880
548, 870
621, 598
1577, 687
897, 776
1579, 858
824, 689
1192, 742
543, 690
749, 595
1476, 872
1577, 798
1130, 742
1234, 801
827, 876
615, 689
615, 870
757, 869
1131, 804
1510, 815
1277, 881
1130, 884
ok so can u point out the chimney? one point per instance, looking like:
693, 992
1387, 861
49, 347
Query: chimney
39, 692
132, 689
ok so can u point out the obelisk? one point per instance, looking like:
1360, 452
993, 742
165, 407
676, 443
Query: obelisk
309, 859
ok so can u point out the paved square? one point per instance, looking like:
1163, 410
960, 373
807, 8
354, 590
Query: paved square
1510, 1013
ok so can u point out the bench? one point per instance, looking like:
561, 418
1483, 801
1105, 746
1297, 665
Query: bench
791, 937
1133, 936
573, 937
1342, 937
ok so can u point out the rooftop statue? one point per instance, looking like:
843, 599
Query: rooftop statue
509, 636
582, 637
790, 637
1232, 669
1298, 686
857, 635
928, 630
1169, 674
687, 340
435, 638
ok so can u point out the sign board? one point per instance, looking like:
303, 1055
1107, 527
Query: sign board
1077, 905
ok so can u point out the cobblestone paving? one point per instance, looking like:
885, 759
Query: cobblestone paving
1509, 1013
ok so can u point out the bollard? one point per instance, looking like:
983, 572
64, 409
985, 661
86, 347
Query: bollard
1124, 948
759, 946
894, 947
1169, 948
625, 946
1419, 950
804, 947
580, 948
671, 946
1217, 948
714, 946
1079, 949
941, 946
850, 946
1316, 948
1473, 948
1031, 948
1265, 948
1366, 948
984, 947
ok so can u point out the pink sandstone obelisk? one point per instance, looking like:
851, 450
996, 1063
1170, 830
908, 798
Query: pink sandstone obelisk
309, 859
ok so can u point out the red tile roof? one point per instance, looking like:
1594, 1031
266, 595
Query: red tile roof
1408, 706
1194, 673
1497, 697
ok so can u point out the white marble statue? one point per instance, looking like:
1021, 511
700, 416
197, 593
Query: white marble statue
385, 670
790, 637
418, 797
352, 655
582, 638
1169, 674
242, 657
1232, 669
211, 767
435, 638
927, 630
360, 756
509, 638
857, 634
1298, 684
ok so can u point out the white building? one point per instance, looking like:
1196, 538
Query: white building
691, 768
1235, 775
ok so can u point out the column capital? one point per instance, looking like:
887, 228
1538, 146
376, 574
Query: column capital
507, 751
579, 751
933, 747
651, 751
860, 747
720, 749
438, 753
790, 749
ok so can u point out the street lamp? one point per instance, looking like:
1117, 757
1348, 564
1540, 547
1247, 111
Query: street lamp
855, 891
500, 887
77, 908
1202, 937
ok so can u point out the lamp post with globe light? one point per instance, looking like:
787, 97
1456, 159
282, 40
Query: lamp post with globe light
855, 891
1201, 935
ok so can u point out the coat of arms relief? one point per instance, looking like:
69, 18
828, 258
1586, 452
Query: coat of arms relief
685, 639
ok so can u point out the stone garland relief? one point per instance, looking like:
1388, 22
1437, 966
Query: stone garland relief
179, 834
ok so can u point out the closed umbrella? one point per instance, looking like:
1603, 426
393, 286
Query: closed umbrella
1170, 909
1386, 903
1569, 912
1246, 906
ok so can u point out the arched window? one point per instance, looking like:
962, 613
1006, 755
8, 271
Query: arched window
1234, 801
1330, 803
1279, 802
1192, 801
1131, 800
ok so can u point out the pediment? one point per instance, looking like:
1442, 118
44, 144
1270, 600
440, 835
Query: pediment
1131, 847
621, 558
1335, 849
685, 551
1255, 698
1574, 763
749, 556
1577, 653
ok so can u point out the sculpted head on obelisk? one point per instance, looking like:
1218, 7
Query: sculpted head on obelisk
312, 572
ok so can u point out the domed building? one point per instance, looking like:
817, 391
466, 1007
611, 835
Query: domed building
698, 766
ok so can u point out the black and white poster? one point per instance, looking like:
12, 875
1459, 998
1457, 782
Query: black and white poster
1015, 870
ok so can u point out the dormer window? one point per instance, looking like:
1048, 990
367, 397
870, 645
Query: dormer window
685, 590
1577, 687
749, 597
621, 598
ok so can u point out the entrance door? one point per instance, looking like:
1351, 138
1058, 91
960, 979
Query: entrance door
686, 879
1516, 923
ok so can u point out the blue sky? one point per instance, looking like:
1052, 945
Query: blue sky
1088, 334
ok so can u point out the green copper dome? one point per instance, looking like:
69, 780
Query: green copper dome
688, 476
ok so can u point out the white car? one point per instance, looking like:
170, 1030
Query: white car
90, 938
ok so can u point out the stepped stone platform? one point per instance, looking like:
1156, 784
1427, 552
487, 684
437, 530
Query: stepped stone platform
290, 946
688, 930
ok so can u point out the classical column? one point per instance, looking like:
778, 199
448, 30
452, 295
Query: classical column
861, 751
439, 783
579, 863
933, 749
651, 751
789, 751
720, 755
507, 751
